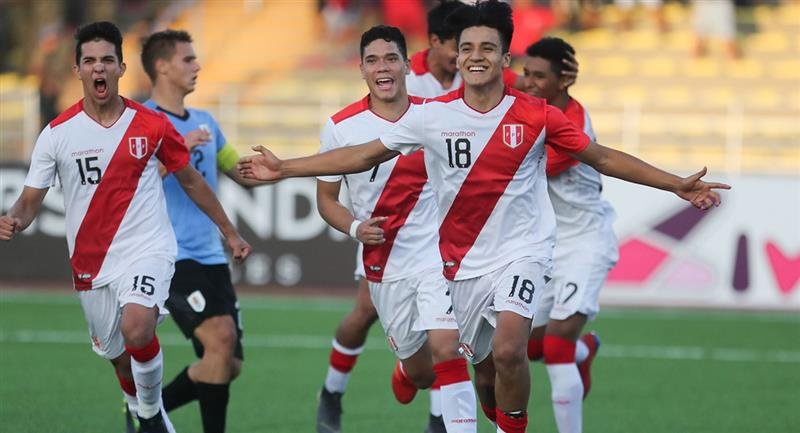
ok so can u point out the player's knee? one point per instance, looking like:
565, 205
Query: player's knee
136, 336
365, 314
218, 335
508, 356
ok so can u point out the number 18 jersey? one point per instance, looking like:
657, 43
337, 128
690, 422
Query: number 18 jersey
115, 209
488, 171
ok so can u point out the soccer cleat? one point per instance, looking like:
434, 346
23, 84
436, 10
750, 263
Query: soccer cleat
156, 424
131, 422
592, 341
403, 389
329, 412
435, 424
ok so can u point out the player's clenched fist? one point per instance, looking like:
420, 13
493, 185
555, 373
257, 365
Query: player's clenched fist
264, 167
8, 227
240, 248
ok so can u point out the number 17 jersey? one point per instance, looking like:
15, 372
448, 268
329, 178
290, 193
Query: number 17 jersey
488, 171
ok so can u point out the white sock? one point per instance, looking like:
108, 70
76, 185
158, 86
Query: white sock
167, 421
581, 351
459, 407
147, 376
132, 402
567, 395
436, 402
336, 380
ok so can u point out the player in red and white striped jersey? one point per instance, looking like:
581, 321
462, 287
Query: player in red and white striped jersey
586, 247
393, 208
105, 151
484, 154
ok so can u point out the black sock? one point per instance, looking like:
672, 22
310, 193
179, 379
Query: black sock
179, 392
213, 400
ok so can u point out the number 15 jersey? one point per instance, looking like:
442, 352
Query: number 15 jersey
114, 201
488, 171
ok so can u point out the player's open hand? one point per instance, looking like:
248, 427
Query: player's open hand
239, 247
8, 227
197, 137
370, 232
699, 193
264, 167
570, 69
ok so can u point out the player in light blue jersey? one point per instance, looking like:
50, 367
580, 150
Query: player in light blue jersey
202, 299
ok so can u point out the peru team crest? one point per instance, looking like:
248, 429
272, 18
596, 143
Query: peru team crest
138, 146
512, 135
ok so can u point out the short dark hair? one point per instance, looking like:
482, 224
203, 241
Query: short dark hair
490, 13
437, 17
553, 50
101, 30
388, 34
161, 45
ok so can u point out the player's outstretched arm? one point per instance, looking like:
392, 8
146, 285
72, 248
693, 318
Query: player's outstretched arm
339, 217
203, 196
265, 166
621, 165
22, 212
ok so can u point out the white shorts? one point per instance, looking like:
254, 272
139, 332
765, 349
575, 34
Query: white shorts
145, 282
409, 307
515, 287
579, 271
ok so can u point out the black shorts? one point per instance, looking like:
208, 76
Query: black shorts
199, 292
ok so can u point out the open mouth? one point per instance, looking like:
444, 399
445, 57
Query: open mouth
477, 68
384, 83
100, 86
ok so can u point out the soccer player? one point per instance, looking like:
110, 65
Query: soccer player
484, 153
202, 299
586, 247
434, 71
105, 151
393, 216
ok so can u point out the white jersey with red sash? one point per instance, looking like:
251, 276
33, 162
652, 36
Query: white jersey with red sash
114, 200
397, 189
488, 171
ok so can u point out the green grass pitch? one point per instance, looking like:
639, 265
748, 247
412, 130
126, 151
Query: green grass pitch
658, 371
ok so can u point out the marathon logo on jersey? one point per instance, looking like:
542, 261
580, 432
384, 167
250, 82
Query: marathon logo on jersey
138, 146
512, 135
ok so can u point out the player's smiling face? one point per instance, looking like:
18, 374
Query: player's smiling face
182, 68
540, 79
445, 52
99, 69
480, 56
384, 69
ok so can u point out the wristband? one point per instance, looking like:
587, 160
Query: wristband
354, 229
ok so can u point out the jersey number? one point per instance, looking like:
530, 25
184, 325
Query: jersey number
458, 153
89, 173
525, 292
197, 157
144, 283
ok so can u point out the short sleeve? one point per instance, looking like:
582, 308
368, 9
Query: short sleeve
172, 152
221, 141
42, 173
587, 126
328, 142
562, 134
408, 133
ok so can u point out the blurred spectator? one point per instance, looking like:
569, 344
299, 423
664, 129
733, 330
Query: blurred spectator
715, 19
626, 10
574, 15
408, 16
531, 22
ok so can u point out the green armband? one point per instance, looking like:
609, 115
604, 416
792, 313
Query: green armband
227, 158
